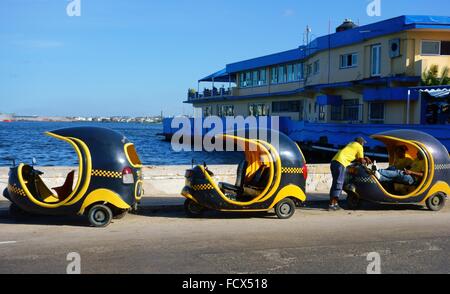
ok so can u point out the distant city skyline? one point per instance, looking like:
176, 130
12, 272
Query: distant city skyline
138, 58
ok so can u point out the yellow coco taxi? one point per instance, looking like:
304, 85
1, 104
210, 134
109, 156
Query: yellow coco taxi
272, 176
109, 180
431, 190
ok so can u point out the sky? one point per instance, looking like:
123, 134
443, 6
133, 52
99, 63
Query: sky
139, 57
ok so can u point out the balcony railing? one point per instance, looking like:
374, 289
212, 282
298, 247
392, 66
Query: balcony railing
209, 93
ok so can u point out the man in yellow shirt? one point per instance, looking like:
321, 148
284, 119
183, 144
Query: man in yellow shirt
352, 152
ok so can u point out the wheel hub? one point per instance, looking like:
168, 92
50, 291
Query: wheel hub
436, 201
100, 216
285, 209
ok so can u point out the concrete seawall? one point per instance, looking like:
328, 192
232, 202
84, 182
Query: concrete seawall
169, 180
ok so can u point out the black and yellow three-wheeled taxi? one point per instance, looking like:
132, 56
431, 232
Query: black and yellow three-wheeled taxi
108, 185
272, 175
431, 190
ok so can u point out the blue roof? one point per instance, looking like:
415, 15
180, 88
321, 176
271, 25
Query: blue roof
336, 40
277, 58
220, 76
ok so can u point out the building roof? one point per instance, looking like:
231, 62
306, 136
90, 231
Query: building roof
345, 38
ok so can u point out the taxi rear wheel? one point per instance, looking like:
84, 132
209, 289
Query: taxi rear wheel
285, 208
100, 215
16, 211
353, 201
192, 209
436, 202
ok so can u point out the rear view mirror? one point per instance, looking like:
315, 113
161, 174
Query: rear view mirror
34, 161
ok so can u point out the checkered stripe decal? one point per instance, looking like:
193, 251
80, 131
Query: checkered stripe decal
203, 187
366, 180
442, 166
292, 170
16, 190
106, 174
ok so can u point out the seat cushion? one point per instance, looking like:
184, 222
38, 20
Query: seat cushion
229, 187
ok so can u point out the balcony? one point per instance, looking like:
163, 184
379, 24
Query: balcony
209, 93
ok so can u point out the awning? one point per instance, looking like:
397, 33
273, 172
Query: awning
389, 94
329, 100
437, 93
222, 76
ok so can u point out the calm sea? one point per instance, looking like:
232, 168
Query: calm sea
25, 140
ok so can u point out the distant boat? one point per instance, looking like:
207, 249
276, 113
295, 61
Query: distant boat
6, 117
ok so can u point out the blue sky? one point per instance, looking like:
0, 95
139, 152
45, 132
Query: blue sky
139, 57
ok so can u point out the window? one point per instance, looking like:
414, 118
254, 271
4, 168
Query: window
322, 112
255, 78
308, 70
291, 73
351, 110
445, 48
207, 111
132, 156
262, 77
376, 60
299, 70
376, 112
274, 75
316, 67
287, 106
431, 47
225, 110
349, 60
282, 76
336, 112
257, 109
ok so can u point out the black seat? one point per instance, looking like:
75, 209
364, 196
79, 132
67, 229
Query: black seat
240, 180
260, 179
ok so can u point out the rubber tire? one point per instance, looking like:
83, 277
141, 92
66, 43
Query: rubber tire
282, 205
120, 214
192, 209
441, 198
16, 211
353, 201
108, 216
6, 194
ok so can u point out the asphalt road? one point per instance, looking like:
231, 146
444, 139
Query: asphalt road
408, 240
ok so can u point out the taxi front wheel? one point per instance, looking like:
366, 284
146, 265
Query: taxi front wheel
100, 215
436, 202
285, 208
192, 209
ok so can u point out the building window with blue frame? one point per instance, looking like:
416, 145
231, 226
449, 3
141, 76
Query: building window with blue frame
317, 67
262, 81
282, 75
351, 110
376, 60
225, 110
274, 75
207, 111
258, 109
309, 70
336, 112
299, 71
293, 106
322, 110
348, 61
376, 112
